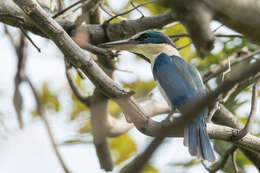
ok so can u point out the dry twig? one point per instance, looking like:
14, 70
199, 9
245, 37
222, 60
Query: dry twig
222, 162
41, 112
251, 116
129, 11
67, 8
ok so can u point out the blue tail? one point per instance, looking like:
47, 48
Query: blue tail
197, 139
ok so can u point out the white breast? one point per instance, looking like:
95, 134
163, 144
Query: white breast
164, 94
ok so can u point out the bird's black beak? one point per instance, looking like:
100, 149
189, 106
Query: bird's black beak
128, 44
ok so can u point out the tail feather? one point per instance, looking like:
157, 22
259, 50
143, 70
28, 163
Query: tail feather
197, 139
193, 140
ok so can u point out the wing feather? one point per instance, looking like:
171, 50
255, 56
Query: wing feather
180, 80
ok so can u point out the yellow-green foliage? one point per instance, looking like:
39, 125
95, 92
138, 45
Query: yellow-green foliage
122, 148
149, 169
78, 107
86, 127
48, 98
141, 88
114, 109
186, 52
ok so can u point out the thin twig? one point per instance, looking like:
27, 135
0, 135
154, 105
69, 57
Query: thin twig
29, 38
67, 8
180, 48
60, 4
229, 35
221, 100
212, 112
220, 26
21, 53
187, 35
220, 69
129, 11
80, 96
216, 35
251, 116
228, 94
170, 25
10, 36
133, 5
111, 13
226, 71
222, 162
234, 163
41, 112
80, 73
91, 7
138, 163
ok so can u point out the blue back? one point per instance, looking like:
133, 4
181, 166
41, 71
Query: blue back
180, 80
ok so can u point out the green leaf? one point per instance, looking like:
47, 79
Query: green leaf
114, 109
78, 108
241, 159
149, 169
49, 99
86, 127
187, 52
141, 88
122, 148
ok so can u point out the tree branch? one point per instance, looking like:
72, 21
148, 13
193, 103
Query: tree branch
11, 14
41, 111
67, 8
213, 72
99, 106
251, 116
21, 53
223, 161
78, 93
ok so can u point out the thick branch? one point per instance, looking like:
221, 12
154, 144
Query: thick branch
76, 90
225, 117
12, 15
99, 104
117, 127
99, 120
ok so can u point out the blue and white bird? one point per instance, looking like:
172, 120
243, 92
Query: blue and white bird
178, 81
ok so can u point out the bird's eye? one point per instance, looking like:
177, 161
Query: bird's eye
143, 37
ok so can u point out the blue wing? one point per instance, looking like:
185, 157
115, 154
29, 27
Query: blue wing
182, 83
180, 80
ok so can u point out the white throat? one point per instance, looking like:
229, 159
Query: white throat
151, 51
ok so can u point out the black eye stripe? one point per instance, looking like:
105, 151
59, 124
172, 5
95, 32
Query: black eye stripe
143, 37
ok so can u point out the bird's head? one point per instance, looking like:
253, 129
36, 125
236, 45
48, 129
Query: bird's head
148, 44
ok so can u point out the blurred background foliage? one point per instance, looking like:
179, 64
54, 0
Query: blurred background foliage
124, 147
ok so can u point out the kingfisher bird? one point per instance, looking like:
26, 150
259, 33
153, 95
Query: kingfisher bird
179, 82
